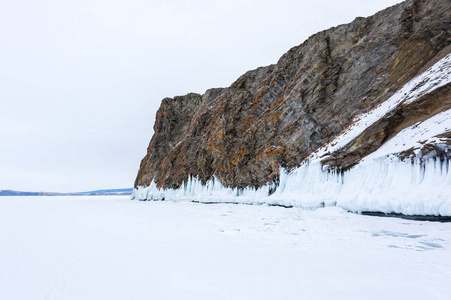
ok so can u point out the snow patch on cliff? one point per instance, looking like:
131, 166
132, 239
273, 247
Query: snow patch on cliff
436, 76
415, 136
382, 185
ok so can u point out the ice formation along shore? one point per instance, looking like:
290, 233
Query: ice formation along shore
384, 185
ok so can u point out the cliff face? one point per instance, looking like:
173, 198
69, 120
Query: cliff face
280, 114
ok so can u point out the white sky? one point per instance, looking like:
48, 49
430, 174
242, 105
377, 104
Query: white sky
81, 81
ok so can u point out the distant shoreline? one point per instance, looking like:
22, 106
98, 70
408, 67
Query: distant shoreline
109, 192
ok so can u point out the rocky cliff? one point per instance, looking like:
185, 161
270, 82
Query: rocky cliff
284, 114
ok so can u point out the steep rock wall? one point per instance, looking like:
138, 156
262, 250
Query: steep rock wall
278, 115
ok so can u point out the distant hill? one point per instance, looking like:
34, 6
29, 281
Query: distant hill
111, 192
17, 193
107, 192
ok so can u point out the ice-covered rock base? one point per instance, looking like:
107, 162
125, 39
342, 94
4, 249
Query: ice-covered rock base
386, 185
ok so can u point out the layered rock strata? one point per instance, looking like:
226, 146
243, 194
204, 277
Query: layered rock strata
280, 115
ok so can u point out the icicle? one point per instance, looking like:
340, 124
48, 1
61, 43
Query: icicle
386, 185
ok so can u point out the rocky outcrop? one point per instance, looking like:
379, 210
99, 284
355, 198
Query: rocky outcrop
384, 129
280, 114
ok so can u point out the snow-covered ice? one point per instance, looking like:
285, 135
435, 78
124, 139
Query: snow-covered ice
114, 248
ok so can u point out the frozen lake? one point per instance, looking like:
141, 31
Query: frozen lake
114, 248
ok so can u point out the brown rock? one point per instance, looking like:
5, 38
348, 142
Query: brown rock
277, 115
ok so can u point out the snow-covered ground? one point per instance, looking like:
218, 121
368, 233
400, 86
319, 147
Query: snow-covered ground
114, 248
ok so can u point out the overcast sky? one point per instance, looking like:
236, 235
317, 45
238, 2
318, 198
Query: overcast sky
81, 81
